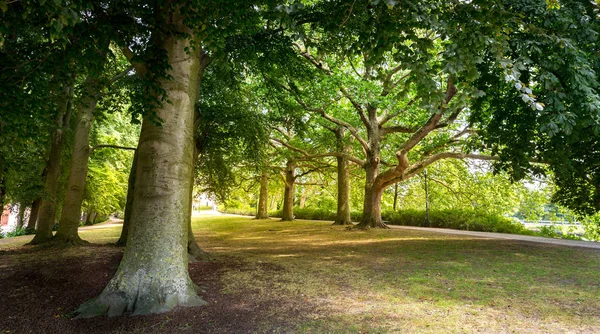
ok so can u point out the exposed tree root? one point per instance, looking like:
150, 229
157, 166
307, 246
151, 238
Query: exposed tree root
367, 225
343, 222
140, 294
71, 240
197, 254
39, 239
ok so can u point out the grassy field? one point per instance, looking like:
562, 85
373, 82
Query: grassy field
308, 276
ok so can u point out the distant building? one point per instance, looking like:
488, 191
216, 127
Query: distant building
8, 222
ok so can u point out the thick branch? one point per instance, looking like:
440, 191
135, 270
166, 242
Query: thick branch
386, 117
357, 106
140, 67
430, 124
112, 146
308, 156
397, 129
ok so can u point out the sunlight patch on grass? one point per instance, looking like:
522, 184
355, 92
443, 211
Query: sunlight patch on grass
411, 281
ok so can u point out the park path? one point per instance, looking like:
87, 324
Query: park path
491, 235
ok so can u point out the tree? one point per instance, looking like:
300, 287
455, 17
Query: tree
415, 87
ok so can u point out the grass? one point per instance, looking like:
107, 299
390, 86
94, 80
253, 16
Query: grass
390, 280
380, 281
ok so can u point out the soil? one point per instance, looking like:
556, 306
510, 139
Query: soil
41, 287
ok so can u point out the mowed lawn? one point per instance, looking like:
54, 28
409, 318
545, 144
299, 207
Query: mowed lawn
308, 276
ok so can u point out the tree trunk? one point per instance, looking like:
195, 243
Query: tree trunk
71, 208
33, 215
129, 202
21, 218
288, 195
153, 275
372, 201
263, 197
195, 252
343, 193
47, 215
302, 202
373, 190
343, 183
395, 196
2, 190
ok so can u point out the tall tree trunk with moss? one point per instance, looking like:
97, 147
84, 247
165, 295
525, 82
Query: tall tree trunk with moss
129, 202
71, 208
263, 197
343, 216
33, 214
47, 216
288, 195
153, 275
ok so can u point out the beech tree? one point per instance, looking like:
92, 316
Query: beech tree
416, 87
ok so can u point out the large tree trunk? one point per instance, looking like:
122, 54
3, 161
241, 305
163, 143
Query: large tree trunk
47, 216
129, 202
71, 208
373, 190
263, 211
343, 183
33, 214
288, 195
343, 193
153, 275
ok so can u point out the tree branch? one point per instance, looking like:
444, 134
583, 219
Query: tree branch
140, 67
111, 146
357, 106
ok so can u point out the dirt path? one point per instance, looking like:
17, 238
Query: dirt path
491, 235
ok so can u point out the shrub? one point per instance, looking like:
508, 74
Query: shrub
315, 214
456, 219
238, 211
18, 232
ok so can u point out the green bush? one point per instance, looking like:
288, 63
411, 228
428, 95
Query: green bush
17, 233
238, 211
456, 219
315, 214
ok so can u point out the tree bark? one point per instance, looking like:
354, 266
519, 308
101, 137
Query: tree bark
47, 215
343, 216
78, 168
2, 189
129, 202
153, 275
263, 211
195, 252
33, 215
303, 195
373, 189
21, 218
395, 196
288, 195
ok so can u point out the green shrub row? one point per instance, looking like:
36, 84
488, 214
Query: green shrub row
315, 214
468, 220
239, 211
456, 219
